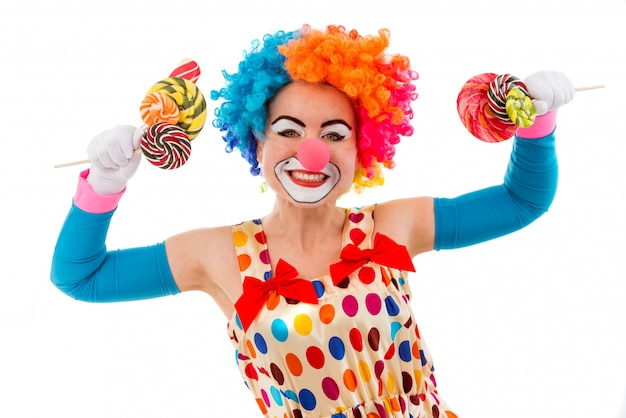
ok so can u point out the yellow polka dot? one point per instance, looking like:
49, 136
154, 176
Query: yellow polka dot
418, 378
364, 371
240, 238
390, 383
303, 324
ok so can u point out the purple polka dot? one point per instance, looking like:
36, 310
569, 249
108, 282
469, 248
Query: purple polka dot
373, 303
379, 367
330, 388
264, 256
350, 305
265, 397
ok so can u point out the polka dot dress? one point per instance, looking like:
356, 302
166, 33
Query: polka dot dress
358, 353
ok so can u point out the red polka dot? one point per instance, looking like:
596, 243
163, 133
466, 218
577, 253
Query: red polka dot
356, 339
315, 357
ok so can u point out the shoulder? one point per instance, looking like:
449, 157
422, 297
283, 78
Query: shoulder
201, 258
410, 222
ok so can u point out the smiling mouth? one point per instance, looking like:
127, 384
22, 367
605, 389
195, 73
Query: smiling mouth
307, 178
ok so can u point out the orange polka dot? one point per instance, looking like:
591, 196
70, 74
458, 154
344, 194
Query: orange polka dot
394, 404
293, 364
327, 314
273, 299
386, 279
415, 350
349, 380
451, 414
373, 415
262, 406
251, 349
244, 261
240, 238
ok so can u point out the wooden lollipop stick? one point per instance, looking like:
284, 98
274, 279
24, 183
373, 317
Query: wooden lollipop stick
85, 161
596, 86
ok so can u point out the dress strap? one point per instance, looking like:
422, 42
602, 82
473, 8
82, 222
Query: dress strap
359, 227
251, 247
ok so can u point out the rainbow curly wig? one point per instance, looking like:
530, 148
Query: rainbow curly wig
379, 85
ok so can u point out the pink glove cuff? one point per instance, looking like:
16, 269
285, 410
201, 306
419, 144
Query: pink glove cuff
544, 125
88, 200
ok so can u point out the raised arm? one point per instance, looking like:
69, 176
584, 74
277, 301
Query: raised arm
81, 265
529, 184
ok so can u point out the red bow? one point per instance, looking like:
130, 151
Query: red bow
284, 283
386, 252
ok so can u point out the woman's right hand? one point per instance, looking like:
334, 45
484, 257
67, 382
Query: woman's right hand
114, 158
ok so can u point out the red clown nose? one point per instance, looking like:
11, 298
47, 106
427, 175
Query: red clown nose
313, 154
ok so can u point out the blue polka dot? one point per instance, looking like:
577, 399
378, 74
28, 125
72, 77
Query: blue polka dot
401, 281
319, 288
260, 343
336, 348
392, 306
307, 399
404, 351
395, 327
238, 321
267, 275
276, 395
280, 330
290, 394
423, 357
237, 356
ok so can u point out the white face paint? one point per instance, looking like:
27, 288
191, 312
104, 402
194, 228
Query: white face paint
304, 186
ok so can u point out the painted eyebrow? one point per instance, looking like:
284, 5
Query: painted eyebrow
335, 121
294, 120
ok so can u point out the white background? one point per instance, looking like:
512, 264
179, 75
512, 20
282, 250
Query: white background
533, 324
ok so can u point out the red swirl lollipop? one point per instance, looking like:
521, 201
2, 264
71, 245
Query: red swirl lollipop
473, 106
166, 146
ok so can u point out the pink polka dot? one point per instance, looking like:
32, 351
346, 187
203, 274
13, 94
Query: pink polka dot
264, 256
330, 388
350, 305
373, 303
379, 367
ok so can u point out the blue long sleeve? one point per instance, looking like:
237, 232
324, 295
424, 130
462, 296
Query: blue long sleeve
528, 190
84, 269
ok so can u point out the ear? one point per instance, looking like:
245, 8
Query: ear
259, 150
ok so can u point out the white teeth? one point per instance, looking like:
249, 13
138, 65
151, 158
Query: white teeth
307, 176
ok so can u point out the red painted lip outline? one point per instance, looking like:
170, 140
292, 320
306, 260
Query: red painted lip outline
303, 183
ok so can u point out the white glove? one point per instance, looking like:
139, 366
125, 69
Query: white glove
113, 158
549, 90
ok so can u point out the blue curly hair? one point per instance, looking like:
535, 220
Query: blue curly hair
241, 117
